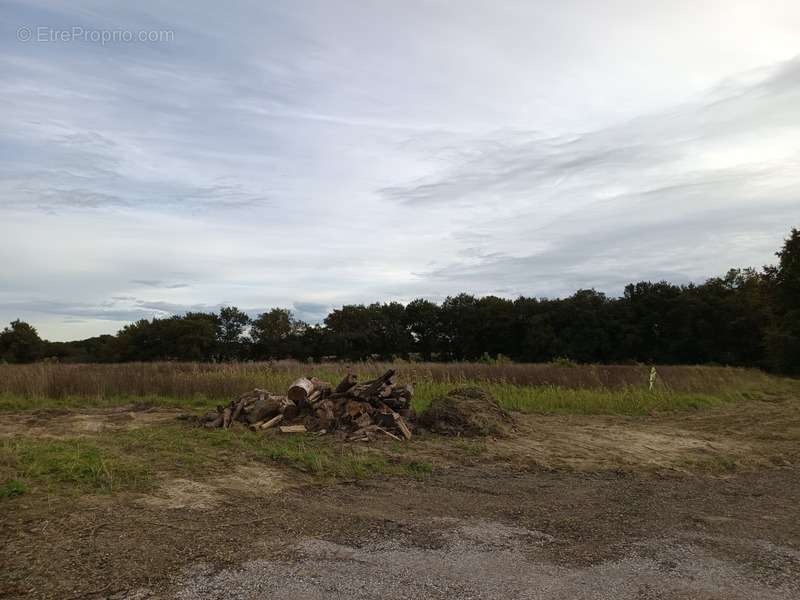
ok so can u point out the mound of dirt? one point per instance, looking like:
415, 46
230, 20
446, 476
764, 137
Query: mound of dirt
466, 412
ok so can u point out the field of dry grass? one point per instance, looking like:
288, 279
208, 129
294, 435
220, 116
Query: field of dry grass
180, 379
545, 388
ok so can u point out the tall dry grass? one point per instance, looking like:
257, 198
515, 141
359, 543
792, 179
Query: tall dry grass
219, 381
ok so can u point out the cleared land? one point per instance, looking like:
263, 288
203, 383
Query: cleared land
605, 489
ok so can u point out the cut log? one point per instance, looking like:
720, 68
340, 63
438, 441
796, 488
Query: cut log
362, 435
349, 407
227, 413
293, 428
321, 386
363, 421
217, 422
249, 397
238, 410
401, 425
266, 408
403, 391
371, 389
271, 423
325, 414
354, 409
288, 409
345, 384
395, 403
210, 416
300, 390
390, 434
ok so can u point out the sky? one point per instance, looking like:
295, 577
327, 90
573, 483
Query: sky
159, 157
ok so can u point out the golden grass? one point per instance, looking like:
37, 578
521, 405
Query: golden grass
220, 381
540, 388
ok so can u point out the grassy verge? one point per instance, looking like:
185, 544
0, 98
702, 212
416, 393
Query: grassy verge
14, 402
529, 399
133, 460
627, 401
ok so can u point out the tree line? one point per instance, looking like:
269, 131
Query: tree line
747, 317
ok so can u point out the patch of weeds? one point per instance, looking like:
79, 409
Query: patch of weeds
330, 459
15, 402
12, 487
293, 451
420, 470
712, 464
78, 464
470, 447
361, 465
564, 362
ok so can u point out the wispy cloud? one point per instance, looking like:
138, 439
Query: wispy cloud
157, 283
657, 196
306, 155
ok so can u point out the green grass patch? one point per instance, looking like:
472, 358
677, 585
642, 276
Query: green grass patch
559, 387
14, 402
81, 464
470, 446
12, 487
529, 399
563, 400
545, 399
133, 460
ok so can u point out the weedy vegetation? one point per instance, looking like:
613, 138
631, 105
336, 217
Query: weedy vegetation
535, 388
135, 459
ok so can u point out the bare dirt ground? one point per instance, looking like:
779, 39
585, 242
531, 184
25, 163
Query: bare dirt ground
61, 423
701, 506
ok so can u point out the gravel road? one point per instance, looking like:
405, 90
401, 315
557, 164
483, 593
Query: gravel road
490, 560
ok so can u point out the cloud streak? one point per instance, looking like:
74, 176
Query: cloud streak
306, 155
655, 197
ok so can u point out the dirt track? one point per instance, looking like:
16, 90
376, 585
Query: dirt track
537, 526
470, 532
585, 551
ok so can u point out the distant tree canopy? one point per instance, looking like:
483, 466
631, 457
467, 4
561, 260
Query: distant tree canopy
19, 342
747, 317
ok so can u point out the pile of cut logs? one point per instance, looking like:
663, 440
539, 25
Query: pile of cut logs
357, 411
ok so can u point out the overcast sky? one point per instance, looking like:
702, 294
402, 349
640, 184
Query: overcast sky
309, 154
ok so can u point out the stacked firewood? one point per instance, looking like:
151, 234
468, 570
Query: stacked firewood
358, 411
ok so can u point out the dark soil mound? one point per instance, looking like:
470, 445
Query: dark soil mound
466, 412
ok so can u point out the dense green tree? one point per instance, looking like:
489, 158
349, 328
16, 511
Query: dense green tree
461, 325
424, 326
787, 272
351, 332
102, 348
392, 336
272, 333
193, 336
783, 336
20, 343
231, 332
585, 329
495, 327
